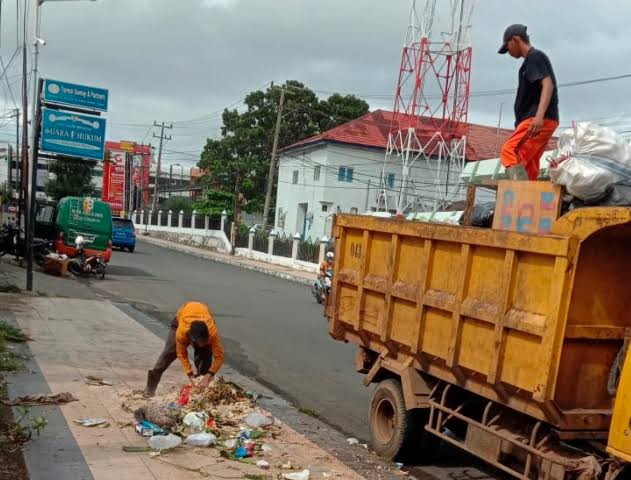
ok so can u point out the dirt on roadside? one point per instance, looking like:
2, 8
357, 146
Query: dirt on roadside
12, 466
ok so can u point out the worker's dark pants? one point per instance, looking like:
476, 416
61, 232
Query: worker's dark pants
202, 357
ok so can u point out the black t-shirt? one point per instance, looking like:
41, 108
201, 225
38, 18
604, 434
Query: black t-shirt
535, 68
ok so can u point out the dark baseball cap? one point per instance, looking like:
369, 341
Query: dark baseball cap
512, 31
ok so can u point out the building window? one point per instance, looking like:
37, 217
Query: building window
316, 174
294, 178
325, 207
390, 180
354, 211
345, 174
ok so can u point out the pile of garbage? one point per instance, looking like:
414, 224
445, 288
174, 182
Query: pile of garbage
594, 165
222, 416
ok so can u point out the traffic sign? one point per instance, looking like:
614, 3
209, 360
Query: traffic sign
73, 95
72, 134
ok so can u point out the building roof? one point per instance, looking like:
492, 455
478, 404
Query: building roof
371, 131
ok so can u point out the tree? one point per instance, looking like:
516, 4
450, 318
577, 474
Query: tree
72, 178
214, 203
177, 204
238, 162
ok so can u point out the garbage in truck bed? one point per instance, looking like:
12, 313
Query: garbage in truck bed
591, 160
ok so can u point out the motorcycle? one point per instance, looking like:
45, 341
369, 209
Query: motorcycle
82, 265
13, 243
322, 287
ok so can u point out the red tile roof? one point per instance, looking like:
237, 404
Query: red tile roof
371, 130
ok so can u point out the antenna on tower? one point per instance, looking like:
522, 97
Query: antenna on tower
427, 138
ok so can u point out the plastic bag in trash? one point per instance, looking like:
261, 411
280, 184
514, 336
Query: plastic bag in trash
196, 421
201, 440
263, 464
304, 475
257, 419
164, 442
482, 215
591, 158
231, 443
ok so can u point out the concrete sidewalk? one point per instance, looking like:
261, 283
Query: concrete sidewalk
298, 276
74, 338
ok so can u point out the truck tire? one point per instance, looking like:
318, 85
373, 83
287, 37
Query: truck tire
397, 434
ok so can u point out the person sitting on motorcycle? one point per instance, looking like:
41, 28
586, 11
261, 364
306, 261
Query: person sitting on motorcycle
325, 266
193, 325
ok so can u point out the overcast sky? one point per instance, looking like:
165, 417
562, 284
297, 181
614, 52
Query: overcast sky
188, 59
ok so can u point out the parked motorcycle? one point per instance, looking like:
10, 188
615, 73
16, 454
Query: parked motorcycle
13, 243
84, 265
322, 287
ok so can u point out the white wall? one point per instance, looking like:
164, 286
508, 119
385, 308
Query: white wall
361, 194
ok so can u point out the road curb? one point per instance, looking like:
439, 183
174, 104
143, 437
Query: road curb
195, 252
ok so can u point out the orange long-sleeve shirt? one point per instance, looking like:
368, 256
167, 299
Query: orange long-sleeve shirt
187, 314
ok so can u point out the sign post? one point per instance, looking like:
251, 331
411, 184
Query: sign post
67, 122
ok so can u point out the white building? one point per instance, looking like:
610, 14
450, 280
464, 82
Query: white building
340, 171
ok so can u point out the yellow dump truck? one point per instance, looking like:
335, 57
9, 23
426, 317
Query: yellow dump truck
508, 345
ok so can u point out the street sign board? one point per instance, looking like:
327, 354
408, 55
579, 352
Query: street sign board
72, 134
73, 95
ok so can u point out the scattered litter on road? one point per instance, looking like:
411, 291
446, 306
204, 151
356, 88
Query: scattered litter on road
93, 422
44, 399
134, 449
203, 440
286, 466
184, 395
231, 443
304, 475
257, 420
164, 442
97, 381
352, 441
148, 429
266, 448
263, 464
196, 421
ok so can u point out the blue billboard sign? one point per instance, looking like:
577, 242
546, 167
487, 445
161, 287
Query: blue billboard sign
73, 95
75, 135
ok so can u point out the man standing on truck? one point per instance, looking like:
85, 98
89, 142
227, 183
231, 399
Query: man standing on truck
193, 325
325, 268
536, 106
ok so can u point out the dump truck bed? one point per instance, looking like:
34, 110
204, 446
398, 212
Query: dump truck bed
531, 321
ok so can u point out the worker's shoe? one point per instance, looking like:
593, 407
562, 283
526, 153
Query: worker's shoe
517, 172
153, 379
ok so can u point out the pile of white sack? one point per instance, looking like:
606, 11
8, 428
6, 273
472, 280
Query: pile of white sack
591, 160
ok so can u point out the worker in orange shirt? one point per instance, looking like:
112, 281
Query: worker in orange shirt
536, 106
193, 325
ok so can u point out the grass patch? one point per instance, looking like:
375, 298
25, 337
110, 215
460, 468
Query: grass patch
309, 411
255, 476
11, 333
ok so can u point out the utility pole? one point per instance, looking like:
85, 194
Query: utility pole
162, 137
22, 210
17, 161
272, 164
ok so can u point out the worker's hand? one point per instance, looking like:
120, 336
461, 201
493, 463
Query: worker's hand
192, 375
535, 126
205, 380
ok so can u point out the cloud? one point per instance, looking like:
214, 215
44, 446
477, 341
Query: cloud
175, 61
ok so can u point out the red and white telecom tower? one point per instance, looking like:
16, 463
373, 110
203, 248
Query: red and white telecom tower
427, 138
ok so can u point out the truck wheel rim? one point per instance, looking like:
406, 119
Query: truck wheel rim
385, 421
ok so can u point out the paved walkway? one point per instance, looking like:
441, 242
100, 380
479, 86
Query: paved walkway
73, 338
299, 276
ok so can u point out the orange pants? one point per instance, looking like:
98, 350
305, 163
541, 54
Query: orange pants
525, 149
